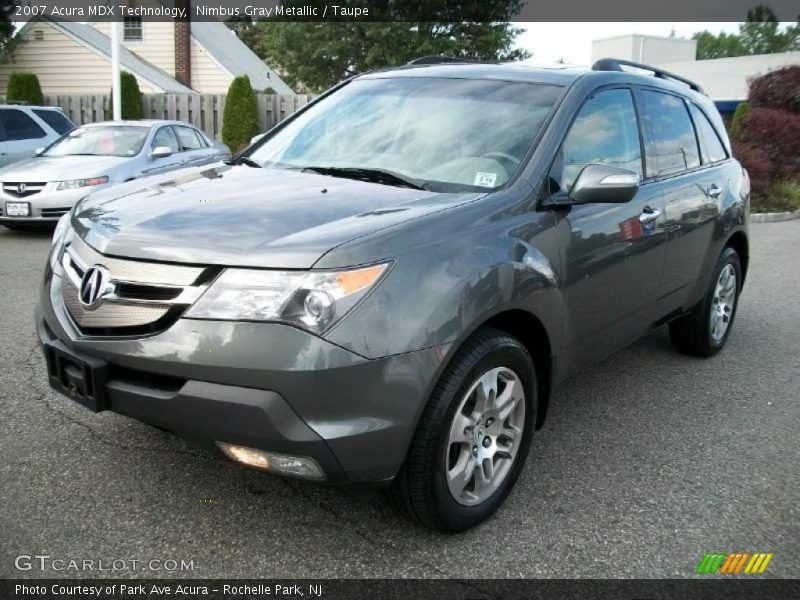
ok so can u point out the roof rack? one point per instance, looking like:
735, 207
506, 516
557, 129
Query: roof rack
438, 60
616, 64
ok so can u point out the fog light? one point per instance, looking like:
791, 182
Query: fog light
297, 466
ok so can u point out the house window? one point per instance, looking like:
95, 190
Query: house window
38, 34
132, 29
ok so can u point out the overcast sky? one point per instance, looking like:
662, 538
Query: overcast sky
573, 41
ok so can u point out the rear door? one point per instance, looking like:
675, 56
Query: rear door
687, 183
194, 147
23, 135
612, 254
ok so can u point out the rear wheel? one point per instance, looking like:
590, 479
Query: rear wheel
705, 329
473, 436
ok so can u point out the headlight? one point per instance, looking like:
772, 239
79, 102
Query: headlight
60, 235
312, 300
79, 183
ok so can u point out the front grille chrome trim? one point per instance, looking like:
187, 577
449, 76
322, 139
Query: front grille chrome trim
125, 311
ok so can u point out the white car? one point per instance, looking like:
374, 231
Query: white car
25, 128
42, 189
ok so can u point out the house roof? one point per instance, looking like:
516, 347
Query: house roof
231, 53
94, 39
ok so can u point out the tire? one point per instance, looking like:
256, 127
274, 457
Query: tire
421, 490
695, 333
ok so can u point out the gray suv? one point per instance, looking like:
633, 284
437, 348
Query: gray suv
386, 287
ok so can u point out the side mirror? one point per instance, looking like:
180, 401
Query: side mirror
256, 138
161, 152
601, 183
38, 151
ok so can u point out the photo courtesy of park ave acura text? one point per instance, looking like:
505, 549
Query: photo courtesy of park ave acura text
384, 298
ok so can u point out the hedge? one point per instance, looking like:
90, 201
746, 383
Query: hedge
240, 117
24, 87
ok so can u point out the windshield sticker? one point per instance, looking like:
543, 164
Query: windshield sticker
485, 179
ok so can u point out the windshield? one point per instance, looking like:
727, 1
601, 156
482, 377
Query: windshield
446, 134
112, 140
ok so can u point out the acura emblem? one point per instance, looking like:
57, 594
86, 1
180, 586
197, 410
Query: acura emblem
95, 287
22, 188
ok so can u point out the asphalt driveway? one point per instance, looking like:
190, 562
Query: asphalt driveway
648, 461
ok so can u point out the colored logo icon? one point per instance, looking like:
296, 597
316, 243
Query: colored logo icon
735, 563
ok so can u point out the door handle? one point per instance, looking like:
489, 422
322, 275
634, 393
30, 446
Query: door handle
649, 214
714, 190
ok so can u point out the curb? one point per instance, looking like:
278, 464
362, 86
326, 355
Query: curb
774, 217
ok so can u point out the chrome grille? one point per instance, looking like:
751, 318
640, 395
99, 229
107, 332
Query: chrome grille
108, 315
142, 294
22, 189
55, 212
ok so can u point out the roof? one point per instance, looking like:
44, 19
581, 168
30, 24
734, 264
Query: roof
233, 54
557, 75
94, 39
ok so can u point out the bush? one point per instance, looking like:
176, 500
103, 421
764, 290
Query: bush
24, 87
778, 89
240, 118
131, 98
776, 133
736, 122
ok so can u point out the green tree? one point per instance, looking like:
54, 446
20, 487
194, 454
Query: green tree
761, 34
314, 56
240, 117
7, 40
736, 122
131, 103
24, 87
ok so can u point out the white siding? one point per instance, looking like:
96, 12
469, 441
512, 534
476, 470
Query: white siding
208, 77
63, 65
157, 46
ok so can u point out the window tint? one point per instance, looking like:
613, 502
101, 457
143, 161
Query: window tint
604, 132
166, 137
188, 138
19, 126
672, 145
711, 148
55, 119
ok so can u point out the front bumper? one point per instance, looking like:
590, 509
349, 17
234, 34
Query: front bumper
47, 206
263, 385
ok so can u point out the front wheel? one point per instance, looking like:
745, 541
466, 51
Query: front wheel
473, 436
705, 329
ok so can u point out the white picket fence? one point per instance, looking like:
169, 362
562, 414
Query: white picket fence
202, 110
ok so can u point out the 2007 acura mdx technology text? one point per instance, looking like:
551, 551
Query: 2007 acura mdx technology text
387, 286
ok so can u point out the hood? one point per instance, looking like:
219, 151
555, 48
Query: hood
243, 216
60, 168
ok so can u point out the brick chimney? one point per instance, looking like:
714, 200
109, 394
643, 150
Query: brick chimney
183, 35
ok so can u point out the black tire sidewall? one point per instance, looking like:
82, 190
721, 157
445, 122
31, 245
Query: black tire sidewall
509, 354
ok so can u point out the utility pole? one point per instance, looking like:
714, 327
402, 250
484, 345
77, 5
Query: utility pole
116, 88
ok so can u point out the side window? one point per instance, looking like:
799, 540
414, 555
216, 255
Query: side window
55, 119
188, 138
166, 137
711, 149
19, 126
604, 132
672, 145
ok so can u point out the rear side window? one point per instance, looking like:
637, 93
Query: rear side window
711, 149
55, 119
672, 145
188, 138
604, 132
19, 126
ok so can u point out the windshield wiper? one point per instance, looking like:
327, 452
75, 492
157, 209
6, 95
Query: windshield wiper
371, 175
243, 160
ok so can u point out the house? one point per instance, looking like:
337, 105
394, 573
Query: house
164, 56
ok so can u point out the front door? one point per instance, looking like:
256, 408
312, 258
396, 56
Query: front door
612, 254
